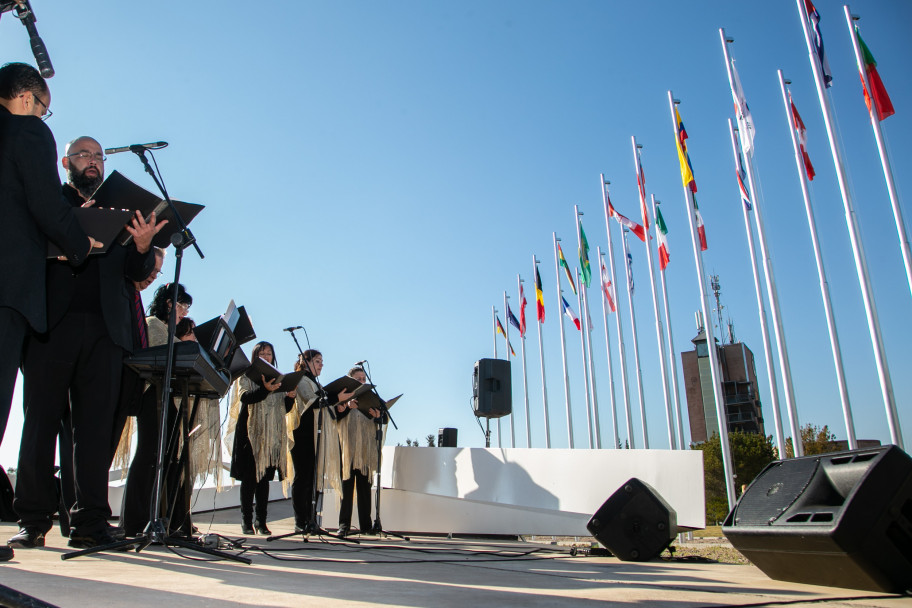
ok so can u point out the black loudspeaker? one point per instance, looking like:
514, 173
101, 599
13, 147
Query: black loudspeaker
840, 520
492, 388
635, 523
446, 438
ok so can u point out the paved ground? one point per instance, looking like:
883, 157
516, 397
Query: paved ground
424, 572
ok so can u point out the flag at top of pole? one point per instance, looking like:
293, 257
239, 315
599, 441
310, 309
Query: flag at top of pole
742, 113
814, 22
563, 264
501, 330
522, 311
632, 226
687, 176
641, 187
745, 195
882, 102
802, 140
512, 320
662, 236
608, 289
585, 268
569, 312
539, 298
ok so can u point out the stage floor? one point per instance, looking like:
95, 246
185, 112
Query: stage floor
428, 571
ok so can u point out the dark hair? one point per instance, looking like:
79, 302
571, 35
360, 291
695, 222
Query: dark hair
355, 370
307, 356
159, 306
184, 328
259, 347
19, 78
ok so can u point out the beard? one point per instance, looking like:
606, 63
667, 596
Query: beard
84, 184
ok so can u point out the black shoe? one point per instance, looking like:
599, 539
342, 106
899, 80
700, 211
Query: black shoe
27, 538
343, 530
247, 528
6, 554
261, 528
87, 541
116, 531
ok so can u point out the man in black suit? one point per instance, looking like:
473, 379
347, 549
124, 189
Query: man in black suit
80, 357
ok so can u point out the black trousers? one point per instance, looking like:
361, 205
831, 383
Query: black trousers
302, 457
252, 488
12, 336
360, 483
76, 358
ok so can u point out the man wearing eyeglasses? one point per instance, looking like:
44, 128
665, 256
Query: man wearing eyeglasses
73, 371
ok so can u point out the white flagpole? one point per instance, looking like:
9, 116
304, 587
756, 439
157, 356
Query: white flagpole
541, 357
673, 366
660, 333
636, 343
614, 414
508, 349
772, 292
583, 329
595, 408
861, 264
522, 344
715, 371
560, 308
494, 324
821, 272
882, 151
620, 332
761, 312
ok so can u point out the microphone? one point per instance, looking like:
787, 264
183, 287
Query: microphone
25, 14
293, 328
138, 147
362, 362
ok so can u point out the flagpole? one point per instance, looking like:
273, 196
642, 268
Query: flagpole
563, 343
614, 415
715, 372
673, 366
761, 312
509, 349
494, 312
595, 408
522, 344
882, 151
772, 293
584, 321
636, 343
861, 264
586, 386
620, 332
541, 357
821, 271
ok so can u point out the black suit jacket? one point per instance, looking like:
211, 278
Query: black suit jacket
31, 211
116, 294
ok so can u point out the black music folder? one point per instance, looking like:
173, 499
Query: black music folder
118, 192
103, 225
347, 383
261, 367
370, 400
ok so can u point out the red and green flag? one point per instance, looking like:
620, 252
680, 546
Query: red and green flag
585, 268
701, 230
662, 236
562, 261
878, 92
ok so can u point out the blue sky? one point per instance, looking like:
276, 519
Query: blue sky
380, 173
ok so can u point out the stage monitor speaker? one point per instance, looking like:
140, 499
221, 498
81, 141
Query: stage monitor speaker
492, 389
635, 523
446, 438
840, 520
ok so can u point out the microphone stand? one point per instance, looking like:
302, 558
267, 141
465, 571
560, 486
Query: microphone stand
156, 531
312, 527
384, 412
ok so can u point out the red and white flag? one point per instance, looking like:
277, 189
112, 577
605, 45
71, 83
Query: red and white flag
641, 186
608, 289
802, 140
569, 312
626, 222
662, 236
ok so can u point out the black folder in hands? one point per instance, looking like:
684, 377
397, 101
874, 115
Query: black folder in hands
347, 383
370, 400
103, 225
118, 192
261, 368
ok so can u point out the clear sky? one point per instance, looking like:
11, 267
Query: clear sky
380, 173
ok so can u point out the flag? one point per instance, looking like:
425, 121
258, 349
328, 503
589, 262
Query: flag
742, 186
814, 18
608, 289
630, 273
512, 320
662, 235
563, 264
501, 330
635, 228
701, 230
585, 269
802, 140
522, 311
539, 298
881, 98
687, 176
569, 312
641, 186
742, 113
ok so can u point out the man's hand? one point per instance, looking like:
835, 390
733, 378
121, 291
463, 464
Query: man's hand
93, 244
143, 232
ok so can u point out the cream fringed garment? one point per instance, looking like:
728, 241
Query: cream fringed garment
266, 428
358, 440
328, 464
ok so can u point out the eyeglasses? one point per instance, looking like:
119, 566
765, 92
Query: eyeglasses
97, 156
47, 111
183, 306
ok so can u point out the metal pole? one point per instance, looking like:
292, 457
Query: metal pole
583, 328
636, 342
614, 416
563, 343
595, 409
509, 352
522, 344
541, 357
494, 322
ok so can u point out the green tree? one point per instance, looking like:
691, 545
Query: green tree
750, 454
815, 440
431, 441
